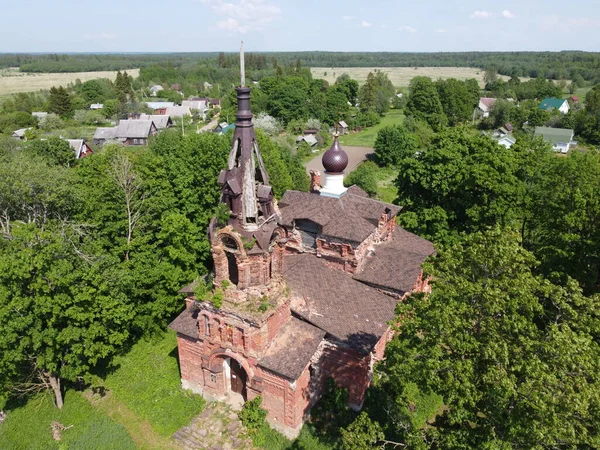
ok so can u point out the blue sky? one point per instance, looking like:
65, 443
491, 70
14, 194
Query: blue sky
286, 25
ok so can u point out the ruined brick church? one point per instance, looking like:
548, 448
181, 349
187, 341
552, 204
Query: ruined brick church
309, 287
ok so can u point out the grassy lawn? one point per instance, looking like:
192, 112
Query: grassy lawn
386, 191
28, 427
147, 381
270, 439
366, 138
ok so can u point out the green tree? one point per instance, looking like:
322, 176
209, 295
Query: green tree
461, 182
424, 103
362, 434
60, 312
456, 99
59, 101
55, 150
393, 144
349, 87
376, 93
496, 344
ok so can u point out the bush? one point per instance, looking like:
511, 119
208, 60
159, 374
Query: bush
367, 119
364, 177
332, 412
253, 416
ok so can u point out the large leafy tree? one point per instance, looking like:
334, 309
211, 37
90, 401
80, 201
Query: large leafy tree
457, 101
393, 144
61, 312
495, 357
424, 103
461, 182
376, 93
564, 225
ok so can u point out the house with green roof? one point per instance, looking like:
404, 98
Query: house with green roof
561, 139
551, 103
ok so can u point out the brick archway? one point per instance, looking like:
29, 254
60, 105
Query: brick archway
215, 362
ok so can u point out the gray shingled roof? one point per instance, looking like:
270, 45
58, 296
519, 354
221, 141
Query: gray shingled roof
292, 348
350, 218
332, 300
160, 120
105, 133
396, 264
186, 323
134, 129
178, 111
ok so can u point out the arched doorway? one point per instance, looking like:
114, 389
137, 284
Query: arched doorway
237, 378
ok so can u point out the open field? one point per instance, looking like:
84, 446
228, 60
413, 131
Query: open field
401, 76
13, 81
366, 137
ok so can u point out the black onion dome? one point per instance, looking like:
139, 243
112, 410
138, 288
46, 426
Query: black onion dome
335, 159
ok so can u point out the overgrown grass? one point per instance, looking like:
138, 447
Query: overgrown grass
366, 138
308, 439
148, 382
28, 427
386, 190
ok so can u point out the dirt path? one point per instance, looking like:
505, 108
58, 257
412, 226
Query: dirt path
140, 430
356, 155
217, 428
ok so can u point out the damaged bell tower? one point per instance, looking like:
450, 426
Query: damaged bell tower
242, 246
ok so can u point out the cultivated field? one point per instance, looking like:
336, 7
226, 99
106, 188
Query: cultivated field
400, 76
13, 81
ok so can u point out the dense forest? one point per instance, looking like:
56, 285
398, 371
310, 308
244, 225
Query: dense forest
552, 65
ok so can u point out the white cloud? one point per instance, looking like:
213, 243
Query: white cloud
99, 37
383, 26
366, 24
245, 15
348, 17
481, 15
407, 29
440, 30
507, 14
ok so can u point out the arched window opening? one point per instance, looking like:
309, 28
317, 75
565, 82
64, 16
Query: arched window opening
233, 268
230, 243
206, 325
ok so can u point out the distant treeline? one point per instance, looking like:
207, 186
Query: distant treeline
552, 65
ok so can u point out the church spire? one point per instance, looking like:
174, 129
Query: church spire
245, 183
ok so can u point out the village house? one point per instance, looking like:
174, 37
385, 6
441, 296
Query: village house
96, 106
103, 134
128, 132
154, 90
161, 121
485, 106
160, 107
39, 114
20, 133
561, 139
135, 132
200, 104
304, 289
550, 103
310, 139
177, 111
81, 148
342, 127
